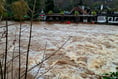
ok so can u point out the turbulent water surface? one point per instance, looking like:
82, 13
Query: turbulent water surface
91, 50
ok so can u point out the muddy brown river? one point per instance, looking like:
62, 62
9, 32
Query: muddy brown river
91, 50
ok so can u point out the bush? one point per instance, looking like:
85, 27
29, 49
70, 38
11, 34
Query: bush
93, 13
76, 13
5, 15
50, 12
61, 12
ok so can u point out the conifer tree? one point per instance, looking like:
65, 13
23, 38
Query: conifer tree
49, 5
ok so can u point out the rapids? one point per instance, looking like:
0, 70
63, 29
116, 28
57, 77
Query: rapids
91, 51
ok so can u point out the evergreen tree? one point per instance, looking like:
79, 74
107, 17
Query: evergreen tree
10, 1
81, 2
49, 5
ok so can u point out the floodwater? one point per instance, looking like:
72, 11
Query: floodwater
91, 50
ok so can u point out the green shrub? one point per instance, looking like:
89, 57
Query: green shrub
50, 12
61, 12
26, 16
5, 14
93, 13
76, 13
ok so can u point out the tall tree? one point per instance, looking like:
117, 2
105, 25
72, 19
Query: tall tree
49, 5
81, 2
19, 9
37, 7
2, 6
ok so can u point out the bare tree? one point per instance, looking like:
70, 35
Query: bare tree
7, 70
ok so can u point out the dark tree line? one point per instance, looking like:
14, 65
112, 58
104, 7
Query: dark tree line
51, 5
7, 7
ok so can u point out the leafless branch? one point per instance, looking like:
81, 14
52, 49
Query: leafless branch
12, 67
3, 35
48, 56
6, 50
45, 72
42, 60
8, 25
1, 70
29, 39
20, 49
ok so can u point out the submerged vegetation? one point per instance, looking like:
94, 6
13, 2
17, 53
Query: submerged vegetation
110, 75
